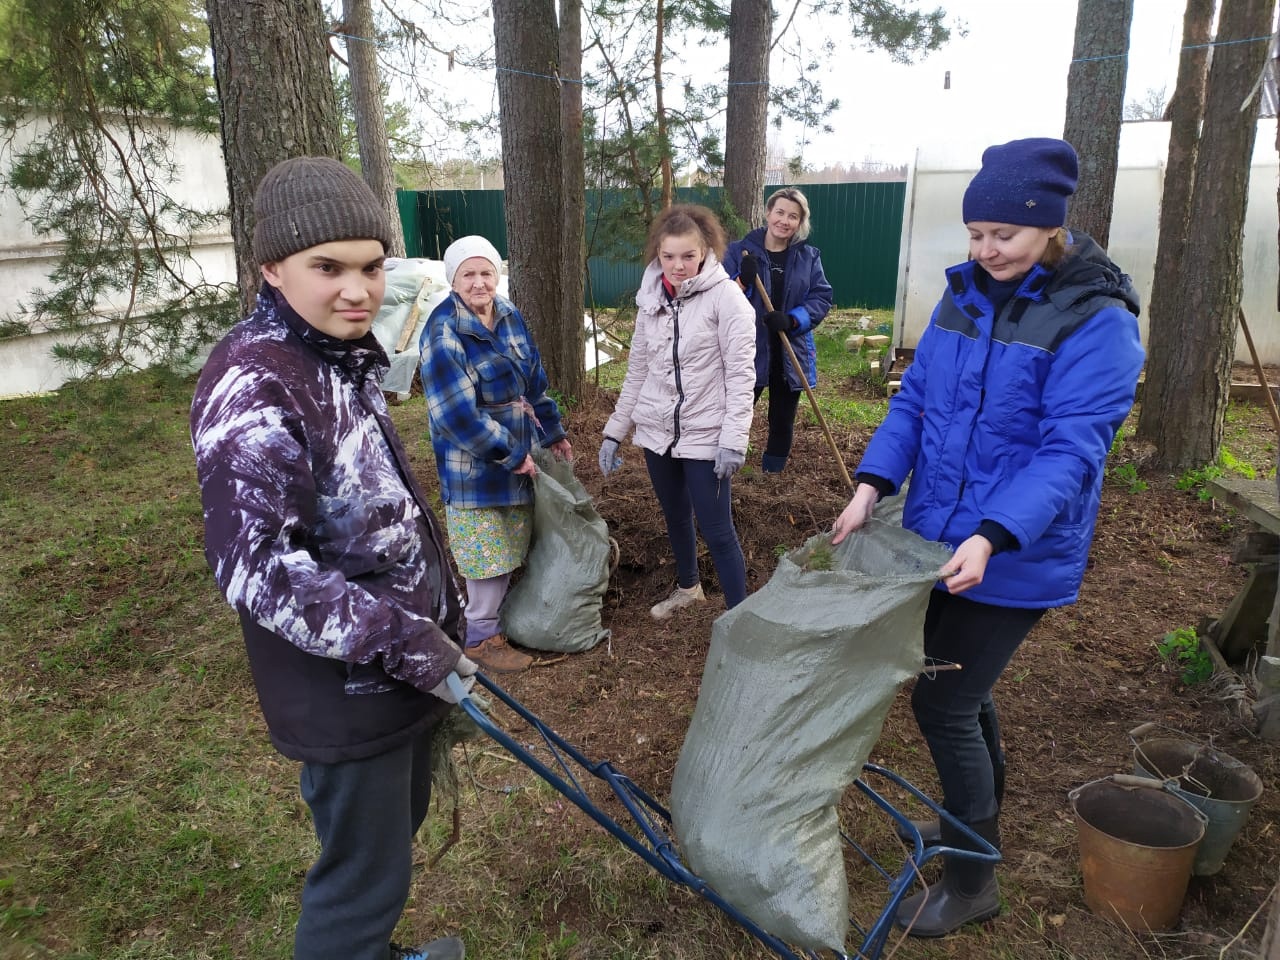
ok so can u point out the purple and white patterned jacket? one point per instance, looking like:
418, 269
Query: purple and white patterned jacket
321, 538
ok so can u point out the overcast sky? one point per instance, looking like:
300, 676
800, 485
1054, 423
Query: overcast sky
1008, 75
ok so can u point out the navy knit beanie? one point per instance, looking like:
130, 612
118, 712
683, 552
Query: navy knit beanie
1023, 182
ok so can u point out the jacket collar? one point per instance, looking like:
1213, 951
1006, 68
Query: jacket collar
652, 294
756, 239
358, 358
962, 282
468, 323
1085, 273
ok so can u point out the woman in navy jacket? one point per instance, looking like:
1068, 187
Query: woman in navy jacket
801, 297
1006, 413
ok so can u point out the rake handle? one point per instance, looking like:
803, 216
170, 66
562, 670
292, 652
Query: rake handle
804, 382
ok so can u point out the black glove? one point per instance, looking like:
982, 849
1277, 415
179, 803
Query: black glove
779, 322
748, 270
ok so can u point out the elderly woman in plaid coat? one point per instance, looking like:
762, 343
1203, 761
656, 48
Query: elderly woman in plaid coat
487, 401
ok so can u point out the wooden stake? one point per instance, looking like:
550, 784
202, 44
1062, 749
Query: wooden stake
1257, 366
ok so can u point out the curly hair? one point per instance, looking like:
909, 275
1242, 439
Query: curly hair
682, 219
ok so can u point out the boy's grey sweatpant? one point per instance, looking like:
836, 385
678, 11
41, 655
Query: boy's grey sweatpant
366, 814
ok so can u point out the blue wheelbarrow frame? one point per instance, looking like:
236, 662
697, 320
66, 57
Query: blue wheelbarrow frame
656, 847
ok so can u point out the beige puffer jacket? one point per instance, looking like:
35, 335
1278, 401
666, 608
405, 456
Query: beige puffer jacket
691, 370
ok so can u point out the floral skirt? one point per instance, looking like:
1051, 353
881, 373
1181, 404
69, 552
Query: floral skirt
488, 541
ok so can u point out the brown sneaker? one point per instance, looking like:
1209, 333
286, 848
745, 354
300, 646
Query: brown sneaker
495, 655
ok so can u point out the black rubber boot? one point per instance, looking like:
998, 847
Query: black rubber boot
967, 893
931, 830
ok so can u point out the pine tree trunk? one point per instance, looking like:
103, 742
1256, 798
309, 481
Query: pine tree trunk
366, 103
1191, 411
569, 377
750, 33
1165, 316
276, 96
1095, 108
529, 109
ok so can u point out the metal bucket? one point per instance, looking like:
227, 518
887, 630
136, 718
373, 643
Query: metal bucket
1218, 785
1137, 843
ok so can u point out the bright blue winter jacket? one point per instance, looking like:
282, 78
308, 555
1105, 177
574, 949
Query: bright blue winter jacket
477, 383
1009, 418
807, 299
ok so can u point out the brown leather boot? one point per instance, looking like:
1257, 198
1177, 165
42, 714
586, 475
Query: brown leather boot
495, 655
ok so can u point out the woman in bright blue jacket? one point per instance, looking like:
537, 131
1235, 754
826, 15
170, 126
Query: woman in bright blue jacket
1006, 413
791, 268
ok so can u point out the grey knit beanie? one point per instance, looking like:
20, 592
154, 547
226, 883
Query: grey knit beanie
311, 200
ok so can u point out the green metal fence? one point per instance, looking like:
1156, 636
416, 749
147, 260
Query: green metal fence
857, 226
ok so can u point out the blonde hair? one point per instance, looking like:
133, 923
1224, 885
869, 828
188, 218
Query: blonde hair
682, 219
1056, 251
801, 201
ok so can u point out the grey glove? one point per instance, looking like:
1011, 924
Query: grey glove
727, 462
610, 459
466, 669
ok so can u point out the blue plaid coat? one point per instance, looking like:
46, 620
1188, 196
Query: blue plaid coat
487, 403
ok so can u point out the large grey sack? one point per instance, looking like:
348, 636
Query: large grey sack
797, 684
556, 603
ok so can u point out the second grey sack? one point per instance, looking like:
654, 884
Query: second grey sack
556, 603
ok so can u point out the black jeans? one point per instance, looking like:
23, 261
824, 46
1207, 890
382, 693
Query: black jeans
687, 489
783, 401
955, 708
366, 814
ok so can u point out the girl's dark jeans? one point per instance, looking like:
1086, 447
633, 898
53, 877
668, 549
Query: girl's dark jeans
689, 489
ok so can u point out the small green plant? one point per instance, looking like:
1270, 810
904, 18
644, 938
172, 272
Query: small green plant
1181, 649
1127, 475
1196, 480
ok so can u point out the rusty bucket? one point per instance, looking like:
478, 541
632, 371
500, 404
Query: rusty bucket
1137, 843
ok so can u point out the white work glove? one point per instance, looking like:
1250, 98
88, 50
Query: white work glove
727, 462
466, 669
610, 459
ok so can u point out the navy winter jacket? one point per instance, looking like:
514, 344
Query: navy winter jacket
807, 299
1009, 418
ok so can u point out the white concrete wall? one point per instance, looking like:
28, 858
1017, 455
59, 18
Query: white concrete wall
934, 238
26, 363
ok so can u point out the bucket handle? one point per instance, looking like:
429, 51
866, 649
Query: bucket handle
1138, 735
1129, 781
